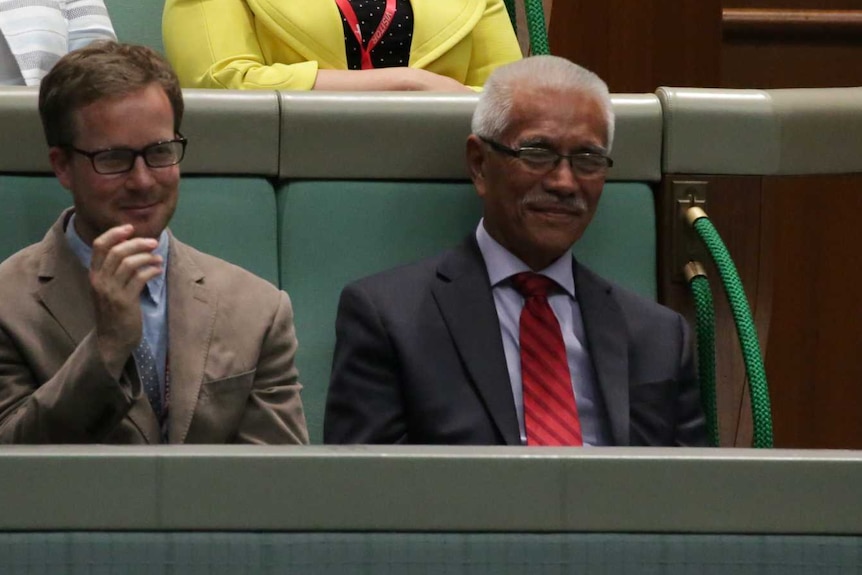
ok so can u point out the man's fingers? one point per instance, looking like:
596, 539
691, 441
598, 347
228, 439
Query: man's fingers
136, 263
115, 256
140, 278
103, 244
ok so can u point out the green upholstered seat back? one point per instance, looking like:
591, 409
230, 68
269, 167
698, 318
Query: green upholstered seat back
232, 218
336, 232
30, 205
137, 21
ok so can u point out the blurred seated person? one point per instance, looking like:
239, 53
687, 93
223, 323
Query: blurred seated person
435, 45
34, 34
112, 330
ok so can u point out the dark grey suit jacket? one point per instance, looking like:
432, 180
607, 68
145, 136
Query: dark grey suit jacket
419, 359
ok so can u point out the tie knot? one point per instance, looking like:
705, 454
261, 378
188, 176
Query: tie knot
530, 284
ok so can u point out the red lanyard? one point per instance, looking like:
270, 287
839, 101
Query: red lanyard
353, 22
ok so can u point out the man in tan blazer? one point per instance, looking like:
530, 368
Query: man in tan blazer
111, 329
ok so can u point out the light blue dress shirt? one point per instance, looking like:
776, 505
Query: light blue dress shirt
502, 265
154, 299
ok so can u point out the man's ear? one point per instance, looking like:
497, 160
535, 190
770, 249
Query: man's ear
476, 155
61, 163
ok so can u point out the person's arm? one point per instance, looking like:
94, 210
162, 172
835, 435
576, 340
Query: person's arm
88, 22
494, 44
364, 403
690, 419
81, 403
274, 414
96, 385
402, 78
214, 44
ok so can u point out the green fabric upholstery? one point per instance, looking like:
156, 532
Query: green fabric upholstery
137, 22
232, 218
30, 205
422, 553
335, 232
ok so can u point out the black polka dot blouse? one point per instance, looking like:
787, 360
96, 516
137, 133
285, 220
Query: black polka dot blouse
393, 50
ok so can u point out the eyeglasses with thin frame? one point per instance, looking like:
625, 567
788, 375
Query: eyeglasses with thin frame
121, 160
543, 160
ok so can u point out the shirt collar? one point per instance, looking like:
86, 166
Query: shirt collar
155, 287
503, 264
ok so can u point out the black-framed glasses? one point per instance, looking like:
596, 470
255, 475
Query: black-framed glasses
120, 160
543, 160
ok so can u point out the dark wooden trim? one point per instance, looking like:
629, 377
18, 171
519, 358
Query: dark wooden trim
827, 25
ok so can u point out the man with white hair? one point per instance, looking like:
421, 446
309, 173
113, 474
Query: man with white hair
507, 339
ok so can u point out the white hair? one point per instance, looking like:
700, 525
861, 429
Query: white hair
491, 116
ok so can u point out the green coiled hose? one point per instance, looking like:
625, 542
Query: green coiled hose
760, 406
705, 325
535, 24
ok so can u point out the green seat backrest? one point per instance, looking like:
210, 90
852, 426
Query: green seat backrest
30, 205
232, 218
333, 232
137, 21
373, 180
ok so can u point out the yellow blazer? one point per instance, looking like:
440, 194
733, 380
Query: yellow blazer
280, 44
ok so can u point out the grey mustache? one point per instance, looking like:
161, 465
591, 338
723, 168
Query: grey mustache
576, 202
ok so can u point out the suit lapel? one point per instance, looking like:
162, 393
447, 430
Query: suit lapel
191, 314
66, 294
307, 27
439, 26
64, 286
605, 326
463, 294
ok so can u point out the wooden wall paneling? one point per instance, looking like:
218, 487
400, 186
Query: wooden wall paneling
781, 45
795, 4
735, 207
639, 46
813, 357
766, 65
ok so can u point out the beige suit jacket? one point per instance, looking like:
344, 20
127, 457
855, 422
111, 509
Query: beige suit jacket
231, 354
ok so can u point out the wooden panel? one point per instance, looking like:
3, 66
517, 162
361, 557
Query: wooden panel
735, 206
768, 65
827, 25
813, 357
795, 4
639, 46
791, 44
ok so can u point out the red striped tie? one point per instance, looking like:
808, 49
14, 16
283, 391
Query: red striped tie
550, 411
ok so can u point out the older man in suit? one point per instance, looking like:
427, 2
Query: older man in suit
111, 329
507, 339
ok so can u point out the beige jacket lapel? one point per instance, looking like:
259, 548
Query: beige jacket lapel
191, 315
65, 288
66, 294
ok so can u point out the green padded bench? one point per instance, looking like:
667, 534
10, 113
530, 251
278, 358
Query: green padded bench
369, 181
137, 22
